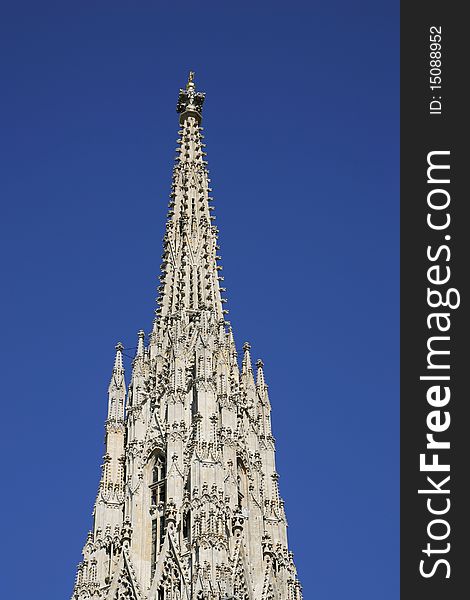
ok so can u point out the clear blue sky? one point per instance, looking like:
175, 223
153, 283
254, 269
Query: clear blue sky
301, 123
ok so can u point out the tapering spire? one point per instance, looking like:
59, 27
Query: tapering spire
138, 362
140, 343
117, 387
189, 444
247, 376
246, 364
190, 271
110, 498
117, 379
260, 383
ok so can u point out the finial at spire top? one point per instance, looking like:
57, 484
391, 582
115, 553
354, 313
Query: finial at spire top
189, 101
118, 359
140, 343
118, 369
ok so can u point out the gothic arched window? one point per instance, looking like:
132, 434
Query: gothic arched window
158, 472
157, 486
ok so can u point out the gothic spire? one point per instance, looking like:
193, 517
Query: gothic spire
190, 273
247, 369
190, 457
140, 343
246, 364
118, 368
117, 382
260, 382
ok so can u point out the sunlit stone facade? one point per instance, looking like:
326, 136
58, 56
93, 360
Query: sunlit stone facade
188, 505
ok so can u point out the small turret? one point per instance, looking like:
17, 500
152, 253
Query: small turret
247, 369
110, 498
246, 363
260, 383
140, 344
117, 388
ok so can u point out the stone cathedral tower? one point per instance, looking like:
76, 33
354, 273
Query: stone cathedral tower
188, 506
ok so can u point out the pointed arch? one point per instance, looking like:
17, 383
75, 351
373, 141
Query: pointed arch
241, 580
170, 579
123, 585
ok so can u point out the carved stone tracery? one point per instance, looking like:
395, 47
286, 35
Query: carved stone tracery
213, 525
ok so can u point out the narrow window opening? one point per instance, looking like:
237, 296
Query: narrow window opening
162, 530
194, 400
186, 525
154, 546
158, 499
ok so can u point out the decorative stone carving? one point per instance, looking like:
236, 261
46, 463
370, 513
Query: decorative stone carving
189, 505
